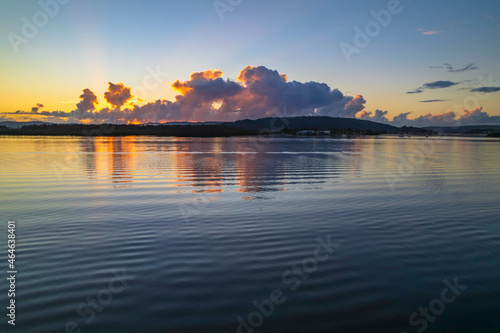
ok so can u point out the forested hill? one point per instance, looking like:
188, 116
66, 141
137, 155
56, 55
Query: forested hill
312, 123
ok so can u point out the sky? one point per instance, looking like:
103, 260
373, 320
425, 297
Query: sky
408, 62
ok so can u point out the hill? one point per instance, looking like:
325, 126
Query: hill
320, 123
16, 124
126, 130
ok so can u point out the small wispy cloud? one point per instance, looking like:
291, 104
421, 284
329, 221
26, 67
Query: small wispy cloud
435, 100
434, 85
428, 32
450, 69
486, 89
416, 91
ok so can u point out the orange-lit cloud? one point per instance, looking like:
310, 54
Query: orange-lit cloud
117, 94
210, 74
183, 87
252, 74
475, 116
89, 101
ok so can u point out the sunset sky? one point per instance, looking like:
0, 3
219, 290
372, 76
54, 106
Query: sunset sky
268, 57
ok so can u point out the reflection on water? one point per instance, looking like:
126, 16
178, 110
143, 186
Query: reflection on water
208, 226
217, 165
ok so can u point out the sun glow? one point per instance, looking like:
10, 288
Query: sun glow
216, 105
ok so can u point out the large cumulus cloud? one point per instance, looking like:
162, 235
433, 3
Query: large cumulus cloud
258, 92
206, 96
267, 90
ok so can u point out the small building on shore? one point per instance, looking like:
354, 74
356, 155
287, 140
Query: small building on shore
306, 132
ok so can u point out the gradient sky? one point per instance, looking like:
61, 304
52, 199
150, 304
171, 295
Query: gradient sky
89, 43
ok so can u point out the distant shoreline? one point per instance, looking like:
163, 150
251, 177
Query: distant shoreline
287, 126
128, 130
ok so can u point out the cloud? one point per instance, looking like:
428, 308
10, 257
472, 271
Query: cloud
439, 84
445, 119
478, 117
185, 87
486, 89
54, 114
36, 108
428, 32
435, 100
416, 91
449, 68
442, 119
379, 116
434, 85
117, 94
210, 74
89, 100
257, 92
401, 118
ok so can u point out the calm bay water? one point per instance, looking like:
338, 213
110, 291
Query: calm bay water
144, 234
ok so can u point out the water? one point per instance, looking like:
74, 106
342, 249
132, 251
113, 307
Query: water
199, 229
